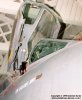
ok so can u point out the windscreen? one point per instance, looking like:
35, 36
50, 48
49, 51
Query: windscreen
45, 48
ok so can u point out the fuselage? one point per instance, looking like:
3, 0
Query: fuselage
60, 75
58, 72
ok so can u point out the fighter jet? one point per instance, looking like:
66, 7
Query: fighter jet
54, 70
56, 76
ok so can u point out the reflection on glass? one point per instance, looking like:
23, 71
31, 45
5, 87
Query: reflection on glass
30, 13
45, 47
47, 27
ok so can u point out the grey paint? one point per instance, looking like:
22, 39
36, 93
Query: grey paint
61, 75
